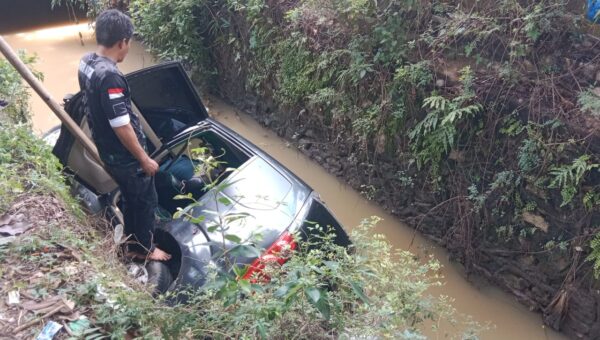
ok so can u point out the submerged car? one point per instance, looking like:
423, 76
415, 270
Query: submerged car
260, 197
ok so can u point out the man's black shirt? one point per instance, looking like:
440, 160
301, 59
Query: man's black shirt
108, 105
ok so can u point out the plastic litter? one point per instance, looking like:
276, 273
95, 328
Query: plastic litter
80, 325
7, 240
49, 331
592, 10
14, 298
138, 272
118, 236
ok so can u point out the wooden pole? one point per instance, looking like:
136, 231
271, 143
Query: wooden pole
37, 86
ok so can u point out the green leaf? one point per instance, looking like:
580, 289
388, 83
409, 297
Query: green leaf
226, 185
318, 298
233, 238
245, 286
313, 294
224, 200
90, 331
198, 220
183, 197
324, 308
261, 330
333, 265
358, 290
239, 271
283, 290
212, 244
182, 212
244, 250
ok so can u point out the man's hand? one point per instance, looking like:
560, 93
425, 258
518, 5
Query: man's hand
149, 166
129, 140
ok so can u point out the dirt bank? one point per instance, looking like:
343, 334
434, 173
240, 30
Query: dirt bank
558, 284
494, 201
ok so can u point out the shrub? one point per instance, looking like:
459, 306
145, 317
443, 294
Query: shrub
371, 290
26, 164
13, 91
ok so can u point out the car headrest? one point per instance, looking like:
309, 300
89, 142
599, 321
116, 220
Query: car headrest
195, 186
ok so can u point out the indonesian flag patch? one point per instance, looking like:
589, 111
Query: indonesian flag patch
115, 93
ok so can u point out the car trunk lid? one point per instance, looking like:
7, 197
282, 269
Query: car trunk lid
166, 98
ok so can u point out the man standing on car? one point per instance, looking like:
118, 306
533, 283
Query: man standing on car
117, 131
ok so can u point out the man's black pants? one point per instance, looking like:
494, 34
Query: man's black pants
139, 205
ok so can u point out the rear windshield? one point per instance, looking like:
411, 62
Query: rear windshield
320, 215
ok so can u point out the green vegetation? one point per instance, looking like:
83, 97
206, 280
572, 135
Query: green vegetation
25, 163
568, 177
589, 102
26, 166
382, 75
485, 107
375, 294
14, 92
486, 110
434, 137
377, 291
326, 292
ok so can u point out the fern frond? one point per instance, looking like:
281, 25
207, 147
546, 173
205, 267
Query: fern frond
595, 255
438, 103
568, 177
457, 114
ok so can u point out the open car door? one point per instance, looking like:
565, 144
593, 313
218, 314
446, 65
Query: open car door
167, 99
168, 103
75, 157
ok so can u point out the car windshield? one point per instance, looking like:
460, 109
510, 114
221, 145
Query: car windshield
269, 199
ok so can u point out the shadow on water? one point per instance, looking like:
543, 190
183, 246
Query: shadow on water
24, 15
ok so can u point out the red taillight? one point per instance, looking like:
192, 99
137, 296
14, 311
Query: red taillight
284, 243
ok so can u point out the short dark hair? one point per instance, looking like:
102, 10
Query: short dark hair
113, 26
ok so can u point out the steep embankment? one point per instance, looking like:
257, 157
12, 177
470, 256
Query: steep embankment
478, 125
58, 265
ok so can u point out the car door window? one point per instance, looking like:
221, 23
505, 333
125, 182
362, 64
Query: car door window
166, 98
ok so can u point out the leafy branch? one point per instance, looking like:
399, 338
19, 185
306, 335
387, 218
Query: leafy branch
568, 177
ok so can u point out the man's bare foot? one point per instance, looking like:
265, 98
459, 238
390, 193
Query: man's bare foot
159, 255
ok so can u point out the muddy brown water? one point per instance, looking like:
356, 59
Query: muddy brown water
59, 50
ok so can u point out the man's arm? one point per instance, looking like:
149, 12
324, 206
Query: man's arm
115, 104
130, 142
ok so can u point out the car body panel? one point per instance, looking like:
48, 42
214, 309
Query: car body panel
195, 253
87, 169
267, 200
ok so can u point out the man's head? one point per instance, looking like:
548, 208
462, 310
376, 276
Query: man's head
113, 33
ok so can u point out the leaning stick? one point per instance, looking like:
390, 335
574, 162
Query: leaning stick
37, 86
36, 320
